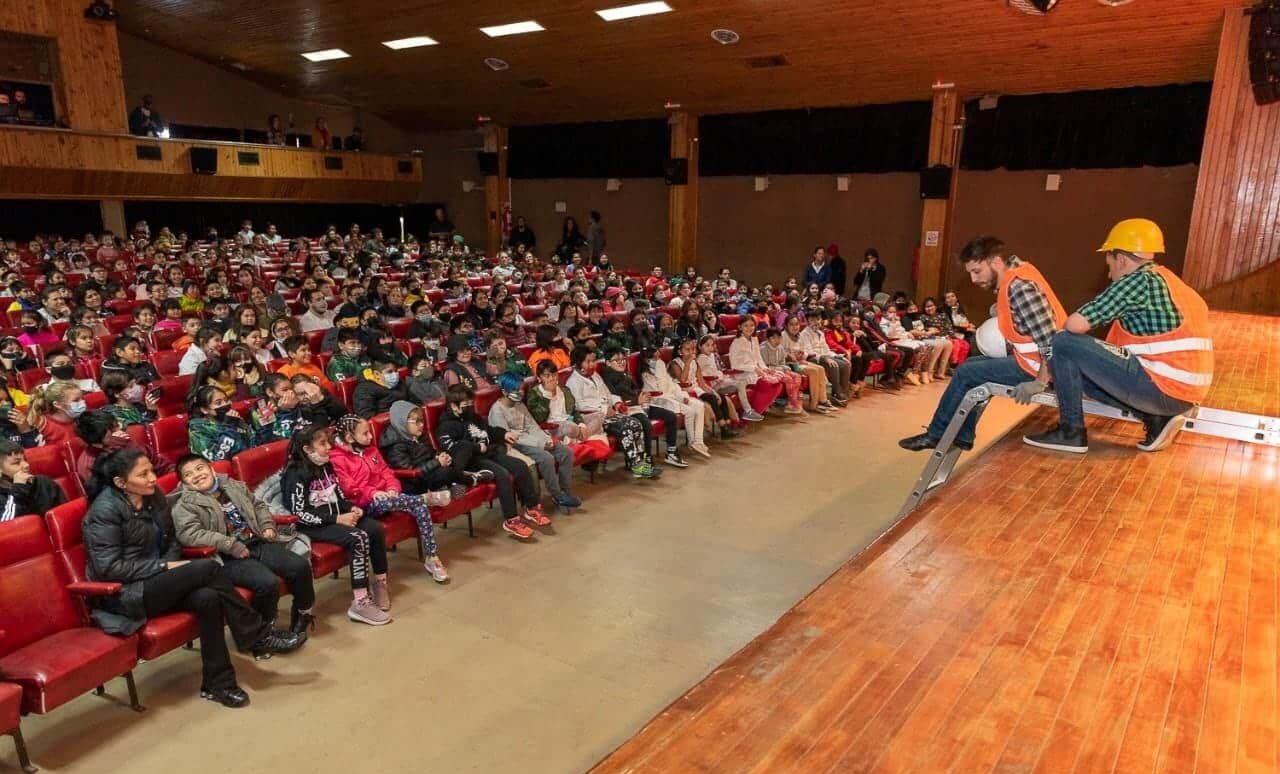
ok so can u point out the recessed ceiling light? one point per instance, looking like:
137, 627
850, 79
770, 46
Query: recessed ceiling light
325, 55
725, 37
421, 40
495, 64
632, 11
512, 29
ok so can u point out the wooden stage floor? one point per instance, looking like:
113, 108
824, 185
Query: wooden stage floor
1115, 611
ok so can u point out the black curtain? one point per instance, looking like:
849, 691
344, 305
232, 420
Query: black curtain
21, 219
602, 149
870, 138
1160, 127
291, 219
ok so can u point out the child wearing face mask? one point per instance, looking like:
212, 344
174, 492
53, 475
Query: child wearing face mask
14, 358
36, 331
214, 430
367, 481
62, 369
14, 423
553, 457
128, 401
53, 411
379, 386
349, 361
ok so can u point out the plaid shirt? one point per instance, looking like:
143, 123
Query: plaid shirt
1139, 300
1031, 312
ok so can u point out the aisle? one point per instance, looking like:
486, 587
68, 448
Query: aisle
538, 658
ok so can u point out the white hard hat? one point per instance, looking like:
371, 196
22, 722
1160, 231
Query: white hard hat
990, 341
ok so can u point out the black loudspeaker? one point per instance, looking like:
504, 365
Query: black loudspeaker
488, 163
204, 161
404, 167
333, 162
149, 153
935, 182
1264, 53
676, 171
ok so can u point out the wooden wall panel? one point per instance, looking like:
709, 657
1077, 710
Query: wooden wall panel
90, 88
37, 163
1235, 223
682, 200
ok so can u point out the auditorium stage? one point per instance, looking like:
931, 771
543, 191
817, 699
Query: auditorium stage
1114, 611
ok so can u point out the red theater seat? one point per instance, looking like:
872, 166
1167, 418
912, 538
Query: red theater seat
48, 648
11, 719
58, 463
167, 437
166, 361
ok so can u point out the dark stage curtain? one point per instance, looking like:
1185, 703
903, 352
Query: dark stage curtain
21, 219
1160, 127
603, 149
869, 138
291, 219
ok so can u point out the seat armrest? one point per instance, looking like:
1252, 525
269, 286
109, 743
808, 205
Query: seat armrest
94, 589
198, 552
409, 474
284, 518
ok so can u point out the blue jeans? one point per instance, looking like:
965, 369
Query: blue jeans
971, 373
1082, 365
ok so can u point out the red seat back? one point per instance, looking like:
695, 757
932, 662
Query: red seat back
174, 399
34, 602
346, 390
730, 322
31, 378
166, 361
67, 534
484, 401
167, 437
314, 339
57, 462
377, 424
162, 341
253, 466
432, 411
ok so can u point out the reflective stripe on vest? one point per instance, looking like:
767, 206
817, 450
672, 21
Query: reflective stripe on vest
1025, 347
1177, 374
1172, 345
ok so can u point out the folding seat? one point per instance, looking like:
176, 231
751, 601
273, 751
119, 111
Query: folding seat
94, 400
166, 361
173, 397
345, 392
322, 360
11, 720
58, 463
530, 312
48, 647
31, 378
399, 328
104, 345
116, 323
314, 339
484, 400
166, 438
730, 322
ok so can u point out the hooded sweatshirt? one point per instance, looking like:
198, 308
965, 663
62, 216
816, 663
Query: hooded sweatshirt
361, 472
401, 451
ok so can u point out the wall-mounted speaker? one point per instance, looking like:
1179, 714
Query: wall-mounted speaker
935, 182
676, 171
248, 158
488, 163
333, 162
204, 161
1264, 52
404, 167
149, 153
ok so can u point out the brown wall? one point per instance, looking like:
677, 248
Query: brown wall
1059, 231
634, 218
768, 236
191, 91
448, 158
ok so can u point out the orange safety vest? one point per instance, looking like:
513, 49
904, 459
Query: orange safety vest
1024, 347
1180, 362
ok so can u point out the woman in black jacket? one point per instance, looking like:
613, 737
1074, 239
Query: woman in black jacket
129, 539
404, 447
571, 241
871, 274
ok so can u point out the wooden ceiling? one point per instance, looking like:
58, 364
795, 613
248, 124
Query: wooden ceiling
840, 52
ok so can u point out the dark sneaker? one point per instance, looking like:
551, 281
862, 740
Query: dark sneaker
233, 697
277, 641
458, 491
1161, 431
675, 460
1061, 438
300, 622
566, 500
478, 477
923, 441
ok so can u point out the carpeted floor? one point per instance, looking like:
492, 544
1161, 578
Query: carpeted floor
542, 657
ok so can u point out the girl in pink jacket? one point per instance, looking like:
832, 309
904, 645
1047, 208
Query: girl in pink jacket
370, 484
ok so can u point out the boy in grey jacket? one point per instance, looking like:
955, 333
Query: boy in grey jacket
218, 511
553, 458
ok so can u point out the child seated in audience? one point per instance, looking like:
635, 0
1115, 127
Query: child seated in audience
21, 492
794, 358
316, 404
461, 368
765, 383
711, 368
53, 411
368, 483
405, 447
62, 368
475, 445
349, 361
665, 392
311, 491
190, 327
103, 434
300, 363
14, 358
36, 331
721, 412
548, 345
499, 359
171, 309
618, 380
214, 430
552, 456
128, 355
127, 401
597, 404
378, 387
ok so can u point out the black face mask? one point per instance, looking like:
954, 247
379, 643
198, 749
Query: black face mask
222, 411
63, 371
30, 329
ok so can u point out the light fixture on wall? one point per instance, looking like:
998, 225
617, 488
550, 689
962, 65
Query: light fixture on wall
762, 184
842, 183
562, 207
613, 184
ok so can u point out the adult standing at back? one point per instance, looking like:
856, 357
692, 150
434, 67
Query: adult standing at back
819, 270
441, 227
839, 268
870, 277
1028, 315
1157, 360
522, 234
595, 236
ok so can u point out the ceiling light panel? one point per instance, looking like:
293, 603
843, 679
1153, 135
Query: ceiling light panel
325, 55
516, 28
417, 42
632, 11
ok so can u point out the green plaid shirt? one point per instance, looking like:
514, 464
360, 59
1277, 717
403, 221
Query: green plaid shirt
1139, 300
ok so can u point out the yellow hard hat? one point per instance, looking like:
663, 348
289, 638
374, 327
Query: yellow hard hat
1136, 235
